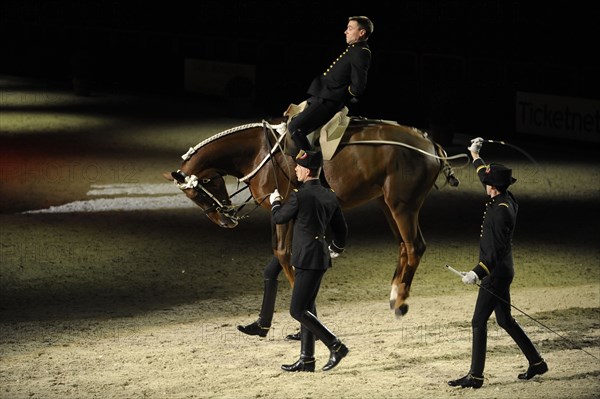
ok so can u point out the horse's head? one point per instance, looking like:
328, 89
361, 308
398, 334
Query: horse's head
209, 192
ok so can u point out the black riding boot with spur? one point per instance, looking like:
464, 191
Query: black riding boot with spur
298, 334
306, 362
537, 365
475, 377
337, 350
261, 326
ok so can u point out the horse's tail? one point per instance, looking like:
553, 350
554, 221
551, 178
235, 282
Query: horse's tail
445, 166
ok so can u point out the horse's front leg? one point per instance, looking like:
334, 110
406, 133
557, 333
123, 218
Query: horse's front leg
282, 248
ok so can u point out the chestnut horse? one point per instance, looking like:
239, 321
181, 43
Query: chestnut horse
376, 160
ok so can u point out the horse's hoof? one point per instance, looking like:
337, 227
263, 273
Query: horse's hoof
401, 311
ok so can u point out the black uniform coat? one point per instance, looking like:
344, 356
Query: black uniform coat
496, 271
313, 208
497, 229
346, 77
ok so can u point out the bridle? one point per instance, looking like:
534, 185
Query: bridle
185, 182
225, 208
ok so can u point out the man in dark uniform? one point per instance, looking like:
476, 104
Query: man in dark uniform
342, 83
496, 271
313, 208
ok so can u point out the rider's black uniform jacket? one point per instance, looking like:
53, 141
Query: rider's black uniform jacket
313, 208
346, 77
497, 228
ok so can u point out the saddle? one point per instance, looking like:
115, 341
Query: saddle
327, 138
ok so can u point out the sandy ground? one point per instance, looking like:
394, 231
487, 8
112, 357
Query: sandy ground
117, 287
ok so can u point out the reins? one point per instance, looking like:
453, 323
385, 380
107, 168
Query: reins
271, 153
398, 143
231, 211
281, 129
267, 127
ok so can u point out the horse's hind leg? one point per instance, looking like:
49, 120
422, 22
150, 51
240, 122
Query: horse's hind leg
390, 219
412, 249
403, 254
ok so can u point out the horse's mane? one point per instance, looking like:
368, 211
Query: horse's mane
217, 136
226, 133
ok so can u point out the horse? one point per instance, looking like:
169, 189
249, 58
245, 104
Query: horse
393, 164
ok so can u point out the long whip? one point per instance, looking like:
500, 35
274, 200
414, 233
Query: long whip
575, 345
522, 151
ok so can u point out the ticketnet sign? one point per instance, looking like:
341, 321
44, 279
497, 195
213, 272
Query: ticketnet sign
566, 117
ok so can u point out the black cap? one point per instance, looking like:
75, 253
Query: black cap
310, 159
498, 175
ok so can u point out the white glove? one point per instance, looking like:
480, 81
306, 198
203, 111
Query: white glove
274, 196
470, 277
335, 251
332, 253
476, 144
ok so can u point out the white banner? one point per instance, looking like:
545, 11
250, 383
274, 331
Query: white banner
566, 117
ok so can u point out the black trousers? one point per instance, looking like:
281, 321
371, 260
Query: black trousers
306, 287
487, 302
270, 273
302, 308
272, 270
317, 113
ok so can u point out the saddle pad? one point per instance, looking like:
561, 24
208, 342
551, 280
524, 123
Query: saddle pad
332, 133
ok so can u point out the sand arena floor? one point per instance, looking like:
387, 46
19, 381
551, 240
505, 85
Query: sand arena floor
114, 285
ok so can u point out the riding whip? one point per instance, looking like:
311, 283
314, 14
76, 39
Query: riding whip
453, 270
522, 151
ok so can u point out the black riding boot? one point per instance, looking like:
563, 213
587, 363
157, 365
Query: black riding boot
337, 350
268, 303
263, 324
307, 353
478, 351
301, 141
297, 336
537, 365
475, 377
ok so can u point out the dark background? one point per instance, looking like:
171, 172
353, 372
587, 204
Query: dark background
456, 64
